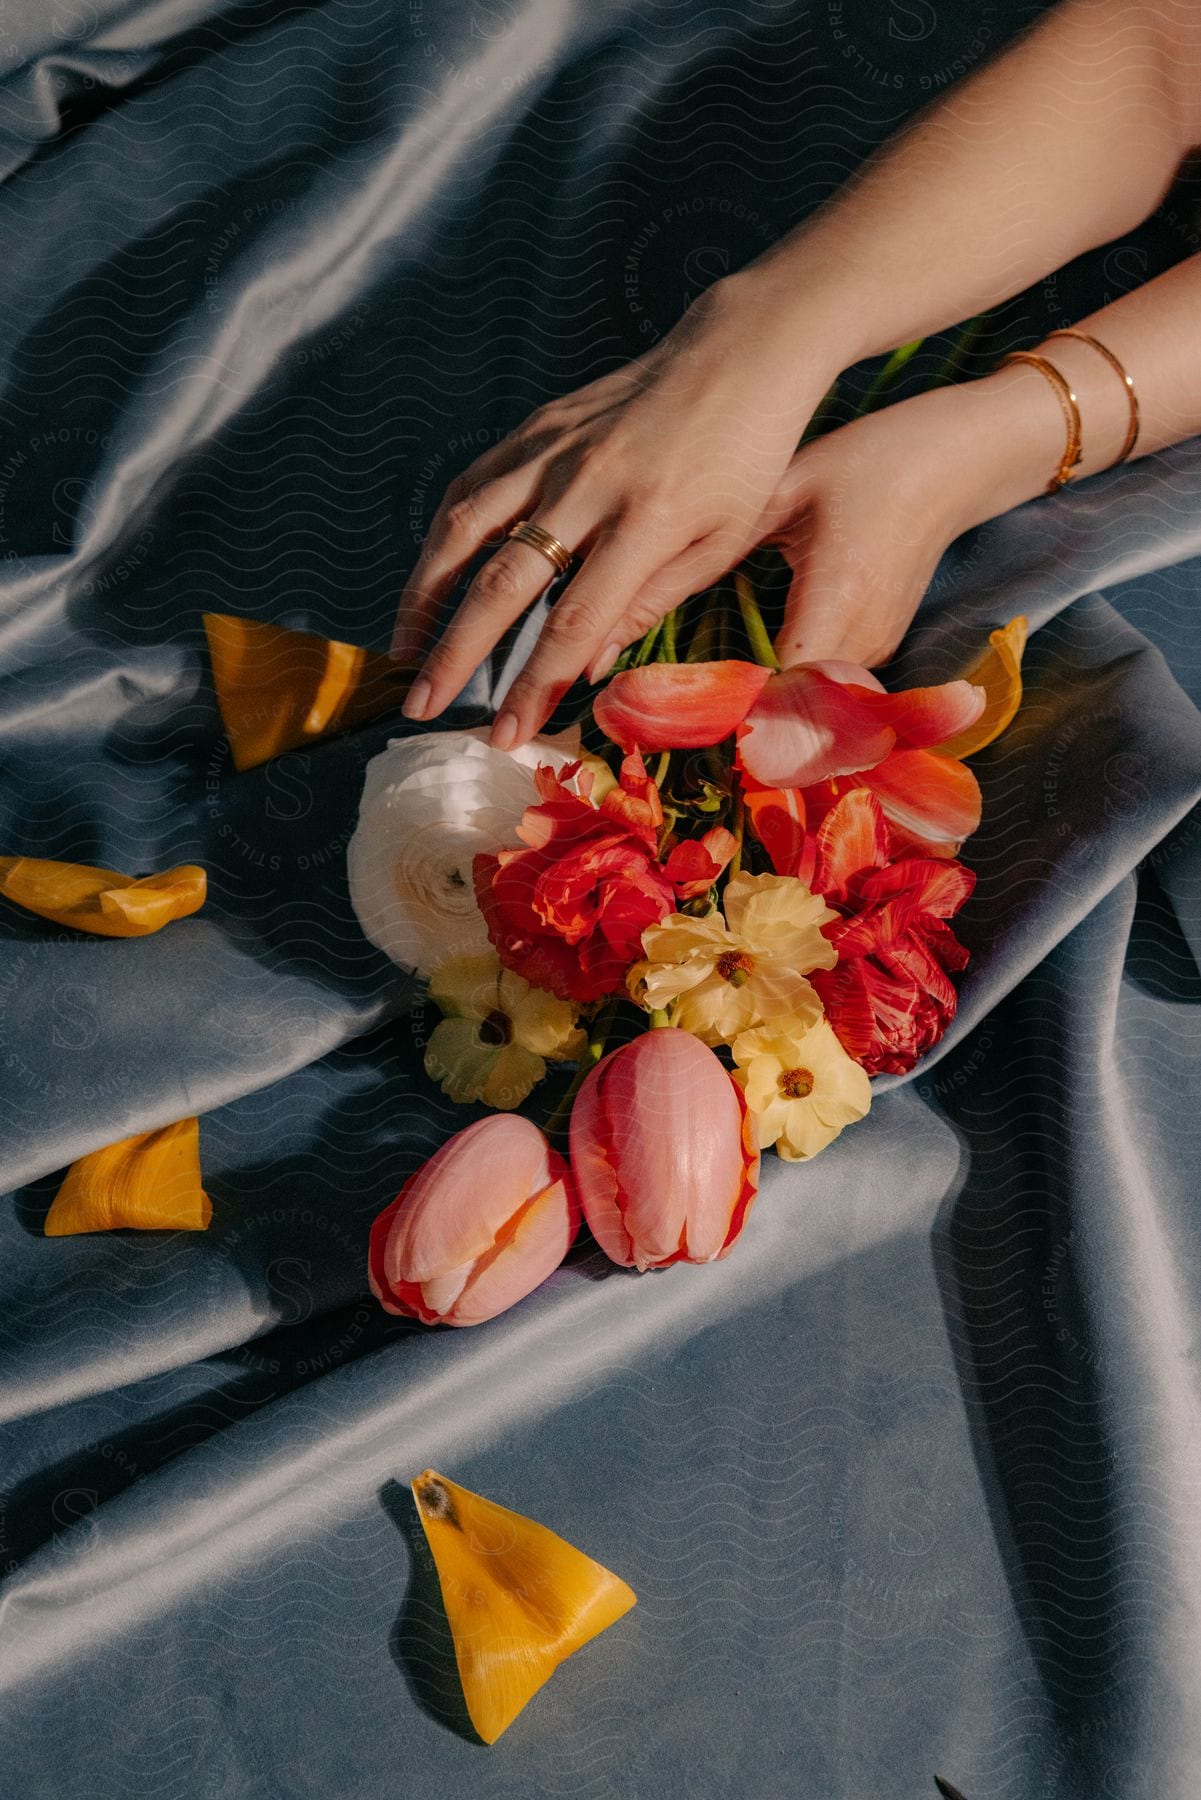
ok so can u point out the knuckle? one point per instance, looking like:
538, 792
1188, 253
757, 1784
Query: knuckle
647, 612
599, 460
536, 693
461, 514
571, 627
495, 581
654, 513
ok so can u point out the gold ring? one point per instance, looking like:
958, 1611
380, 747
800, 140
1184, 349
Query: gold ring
526, 532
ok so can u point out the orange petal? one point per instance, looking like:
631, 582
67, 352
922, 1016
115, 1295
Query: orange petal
777, 817
150, 1182
851, 837
101, 900
998, 670
678, 706
807, 726
924, 717
278, 689
933, 798
518, 1598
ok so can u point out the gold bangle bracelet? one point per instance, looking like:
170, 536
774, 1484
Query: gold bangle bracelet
1124, 378
1074, 449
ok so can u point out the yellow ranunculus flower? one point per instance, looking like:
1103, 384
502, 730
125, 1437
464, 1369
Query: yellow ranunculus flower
721, 976
800, 1085
499, 1033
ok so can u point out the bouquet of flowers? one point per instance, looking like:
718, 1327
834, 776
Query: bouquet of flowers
724, 898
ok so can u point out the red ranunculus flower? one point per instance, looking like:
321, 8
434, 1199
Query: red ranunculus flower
568, 912
889, 998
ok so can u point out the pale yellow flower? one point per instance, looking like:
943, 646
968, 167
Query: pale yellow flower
723, 975
800, 1085
499, 1033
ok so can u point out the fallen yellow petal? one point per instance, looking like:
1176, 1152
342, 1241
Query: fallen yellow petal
278, 689
519, 1599
150, 1182
101, 900
998, 670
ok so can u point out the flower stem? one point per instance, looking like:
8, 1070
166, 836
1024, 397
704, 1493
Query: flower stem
823, 419
738, 827
888, 375
667, 643
752, 619
598, 1037
646, 648
962, 347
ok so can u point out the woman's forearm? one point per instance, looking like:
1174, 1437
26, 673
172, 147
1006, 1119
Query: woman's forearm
1069, 138
1014, 427
864, 513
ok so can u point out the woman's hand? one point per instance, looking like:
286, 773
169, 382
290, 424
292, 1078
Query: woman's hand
864, 514
657, 475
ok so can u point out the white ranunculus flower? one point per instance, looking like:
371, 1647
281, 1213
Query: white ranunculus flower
430, 804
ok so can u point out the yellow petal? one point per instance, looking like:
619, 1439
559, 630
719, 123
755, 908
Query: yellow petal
518, 1598
998, 670
150, 1182
278, 689
467, 987
101, 900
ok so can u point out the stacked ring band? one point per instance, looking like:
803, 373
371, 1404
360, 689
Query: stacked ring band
526, 532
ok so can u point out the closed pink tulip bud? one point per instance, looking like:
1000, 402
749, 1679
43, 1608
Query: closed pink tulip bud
478, 1227
663, 1152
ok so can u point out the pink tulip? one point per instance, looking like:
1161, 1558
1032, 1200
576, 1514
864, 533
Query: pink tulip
663, 1152
477, 1228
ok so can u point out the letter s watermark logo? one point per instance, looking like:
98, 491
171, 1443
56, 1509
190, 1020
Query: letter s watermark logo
493, 20
71, 498
918, 20
1125, 267
1125, 790
73, 1012
703, 266
287, 1282
291, 797
73, 1512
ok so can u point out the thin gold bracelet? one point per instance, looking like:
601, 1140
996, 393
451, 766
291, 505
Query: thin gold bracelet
1074, 449
1131, 397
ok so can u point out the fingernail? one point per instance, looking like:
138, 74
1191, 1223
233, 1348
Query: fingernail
504, 732
417, 699
604, 662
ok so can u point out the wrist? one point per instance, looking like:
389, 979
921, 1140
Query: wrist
1014, 437
803, 312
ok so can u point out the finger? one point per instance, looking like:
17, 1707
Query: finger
509, 581
695, 568
842, 607
820, 609
581, 624
783, 507
469, 517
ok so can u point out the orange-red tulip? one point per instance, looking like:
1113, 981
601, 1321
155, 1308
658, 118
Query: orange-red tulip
477, 1228
663, 1152
799, 726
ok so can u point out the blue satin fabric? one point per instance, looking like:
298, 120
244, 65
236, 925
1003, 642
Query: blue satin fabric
909, 1484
